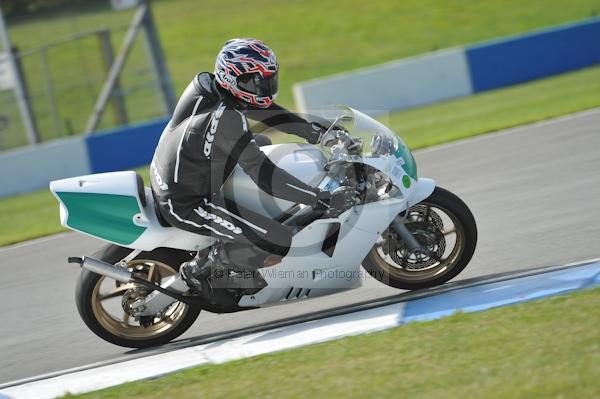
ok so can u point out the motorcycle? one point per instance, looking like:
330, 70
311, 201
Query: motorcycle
405, 231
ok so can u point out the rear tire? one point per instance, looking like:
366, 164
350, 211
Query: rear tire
384, 269
101, 322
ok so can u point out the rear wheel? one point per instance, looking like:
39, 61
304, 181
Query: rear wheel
445, 229
101, 301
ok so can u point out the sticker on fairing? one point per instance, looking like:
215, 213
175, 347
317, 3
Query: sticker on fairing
407, 161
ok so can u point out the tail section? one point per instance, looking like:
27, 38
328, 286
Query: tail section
116, 207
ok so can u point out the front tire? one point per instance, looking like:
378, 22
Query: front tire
444, 226
98, 300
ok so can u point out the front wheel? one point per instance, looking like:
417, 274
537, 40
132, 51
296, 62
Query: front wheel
101, 301
445, 229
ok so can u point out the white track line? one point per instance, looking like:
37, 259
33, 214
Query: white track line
467, 299
216, 352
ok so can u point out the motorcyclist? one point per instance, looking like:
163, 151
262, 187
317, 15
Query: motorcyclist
207, 137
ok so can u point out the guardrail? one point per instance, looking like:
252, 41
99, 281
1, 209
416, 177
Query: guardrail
457, 72
400, 84
32, 168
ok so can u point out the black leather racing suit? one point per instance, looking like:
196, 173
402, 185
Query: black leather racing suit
206, 138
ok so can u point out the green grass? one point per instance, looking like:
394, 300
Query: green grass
28, 216
543, 349
312, 38
499, 109
34, 215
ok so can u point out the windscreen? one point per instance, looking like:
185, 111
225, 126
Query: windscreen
378, 139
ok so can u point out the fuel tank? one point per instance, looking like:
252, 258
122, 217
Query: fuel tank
304, 161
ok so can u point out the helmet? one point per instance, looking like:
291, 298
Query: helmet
247, 69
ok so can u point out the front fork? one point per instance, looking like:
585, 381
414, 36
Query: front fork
423, 189
407, 237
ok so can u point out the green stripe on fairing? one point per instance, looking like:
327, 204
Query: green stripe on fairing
106, 216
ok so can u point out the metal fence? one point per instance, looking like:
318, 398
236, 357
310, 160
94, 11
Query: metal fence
63, 80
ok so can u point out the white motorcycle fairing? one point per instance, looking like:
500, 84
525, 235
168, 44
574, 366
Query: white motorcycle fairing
115, 206
306, 271
110, 206
325, 256
383, 221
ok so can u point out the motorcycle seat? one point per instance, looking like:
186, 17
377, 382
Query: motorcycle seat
161, 219
141, 189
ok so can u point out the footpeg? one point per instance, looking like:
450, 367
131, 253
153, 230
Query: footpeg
196, 274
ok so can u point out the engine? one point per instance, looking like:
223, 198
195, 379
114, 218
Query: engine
304, 161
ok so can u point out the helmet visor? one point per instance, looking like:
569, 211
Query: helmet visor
256, 84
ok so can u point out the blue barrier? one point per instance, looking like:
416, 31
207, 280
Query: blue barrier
490, 65
406, 83
416, 81
457, 72
32, 168
124, 148
535, 55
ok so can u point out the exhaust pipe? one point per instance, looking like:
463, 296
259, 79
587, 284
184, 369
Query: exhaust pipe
125, 276
103, 268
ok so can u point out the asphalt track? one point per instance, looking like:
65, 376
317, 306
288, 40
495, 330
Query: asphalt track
534, 191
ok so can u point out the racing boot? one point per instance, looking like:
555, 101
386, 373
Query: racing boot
196, 272
227, 267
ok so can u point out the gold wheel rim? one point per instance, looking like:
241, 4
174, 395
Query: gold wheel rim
125, 326
431, 272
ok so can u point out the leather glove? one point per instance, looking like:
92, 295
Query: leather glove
342, 198
336, 202
323, 200
314, 134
